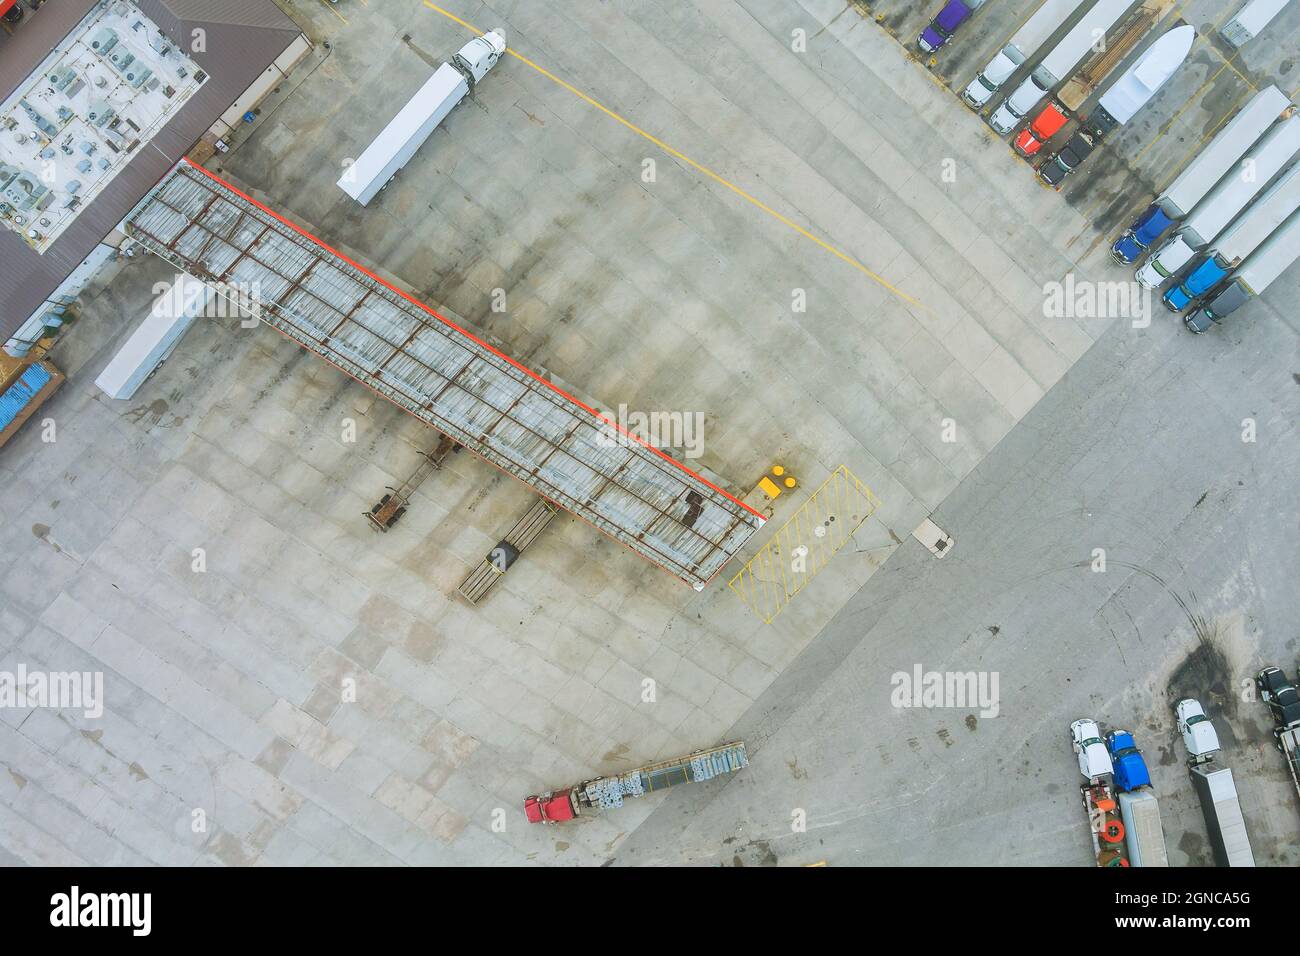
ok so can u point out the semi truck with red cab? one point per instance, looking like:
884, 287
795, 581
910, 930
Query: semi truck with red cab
607, 793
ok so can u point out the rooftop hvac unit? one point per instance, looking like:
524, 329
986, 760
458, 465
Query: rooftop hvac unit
103, 40
62, 78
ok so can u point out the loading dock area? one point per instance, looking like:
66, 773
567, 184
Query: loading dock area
673, 296
1145, 156
622, 267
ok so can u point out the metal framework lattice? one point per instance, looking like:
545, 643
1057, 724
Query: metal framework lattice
443, 375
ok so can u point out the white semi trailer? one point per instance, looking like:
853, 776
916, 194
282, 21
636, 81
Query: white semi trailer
1025, 43
1057, 66
1141, 81
1222, 811
1143, 831
1207, 168
1273, 257
1248, 22
1261, 218
155, 338
415, 122
1228, 146
1228, 198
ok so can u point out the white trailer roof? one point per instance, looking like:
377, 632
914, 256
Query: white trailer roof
1265, 160
437, 371
1232, 825
153, 340
1255, 15
1042, 24
1072, 48
405, 133
1148, 73
1273, 257
1261, 217
1228, 146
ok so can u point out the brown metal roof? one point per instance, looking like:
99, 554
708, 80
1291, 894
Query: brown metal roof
257, 29
254, 14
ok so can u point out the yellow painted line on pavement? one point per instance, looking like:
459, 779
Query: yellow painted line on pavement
1195, 97
700, 167
330, 7
802, 548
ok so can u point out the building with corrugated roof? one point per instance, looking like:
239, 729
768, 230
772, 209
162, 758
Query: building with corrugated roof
243, 49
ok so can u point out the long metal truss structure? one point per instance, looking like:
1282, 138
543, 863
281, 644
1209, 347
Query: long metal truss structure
442, 374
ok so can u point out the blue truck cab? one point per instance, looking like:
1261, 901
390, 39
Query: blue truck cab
1149, 227
1130, 769
1199, 281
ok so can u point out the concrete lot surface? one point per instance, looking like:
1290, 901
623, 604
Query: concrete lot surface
320, 693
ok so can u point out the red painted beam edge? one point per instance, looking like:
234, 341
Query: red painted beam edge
551, 385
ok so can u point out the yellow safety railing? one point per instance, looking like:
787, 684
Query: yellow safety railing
801, 548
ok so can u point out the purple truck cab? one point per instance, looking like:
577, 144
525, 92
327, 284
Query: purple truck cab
942, 27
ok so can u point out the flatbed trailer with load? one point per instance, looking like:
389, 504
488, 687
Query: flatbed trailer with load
1140, 813
1105, 823
606, 793
1089, 78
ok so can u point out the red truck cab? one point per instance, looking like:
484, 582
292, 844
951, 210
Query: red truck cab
10, 12
1042, 128
550, 808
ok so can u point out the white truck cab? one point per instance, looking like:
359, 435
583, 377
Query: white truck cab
1171, 257
987, 81
1199, 735
480, 54
1094, 758
1013, 109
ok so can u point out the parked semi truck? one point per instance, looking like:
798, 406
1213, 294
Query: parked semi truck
1283, 701
1224, 201
415, 122
1141, 81
1274, 256
604, 793
1098, 67
1041, 128
1201, 174
945, 23
1100, 805
1139, 811
1059, 63
1128, 95
1069, 158
1024, 44
1260, 220
1248, 22
1214, 785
